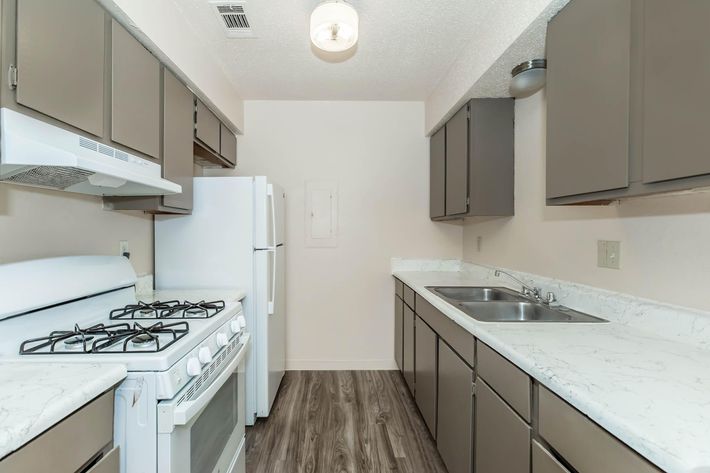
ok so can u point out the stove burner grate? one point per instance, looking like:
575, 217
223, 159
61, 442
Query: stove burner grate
169, 310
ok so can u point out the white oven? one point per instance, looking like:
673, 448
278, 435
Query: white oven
201, 430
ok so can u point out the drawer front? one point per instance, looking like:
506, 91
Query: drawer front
409, 297
544, 462
399, 288
110, 463
512, 384
583, 444
68, 445
459, 339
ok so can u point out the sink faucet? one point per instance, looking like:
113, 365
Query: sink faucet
528, 291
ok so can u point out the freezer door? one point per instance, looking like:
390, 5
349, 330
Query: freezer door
278, 199
269, 209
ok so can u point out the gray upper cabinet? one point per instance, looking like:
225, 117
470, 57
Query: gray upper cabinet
60, 61
207, 127
502, 437
177, 140
135, 94
425, 367
676, 57
228, 145
457, 163
454, 434
588, 97
437, 174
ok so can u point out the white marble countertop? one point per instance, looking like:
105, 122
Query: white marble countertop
651, 392
34, 396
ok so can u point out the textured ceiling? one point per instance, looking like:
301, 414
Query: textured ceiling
406, 47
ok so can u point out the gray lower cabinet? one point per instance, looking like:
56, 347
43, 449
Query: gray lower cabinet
207, 127
588, 112
408, 347
60, 60
398, 331
425, 368
71, 444
454, 437
135, 93
228, 145
457, 164
544, 462
502, 437
437, 174
676, 46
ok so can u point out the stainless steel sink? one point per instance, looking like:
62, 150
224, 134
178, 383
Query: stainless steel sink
523, 312
477, 294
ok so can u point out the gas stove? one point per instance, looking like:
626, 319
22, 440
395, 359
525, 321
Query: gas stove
180, 348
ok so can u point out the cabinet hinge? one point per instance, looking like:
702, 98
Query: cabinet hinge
468, 201
473, 389
12, 76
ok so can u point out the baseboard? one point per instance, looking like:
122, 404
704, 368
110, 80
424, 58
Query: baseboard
340, 365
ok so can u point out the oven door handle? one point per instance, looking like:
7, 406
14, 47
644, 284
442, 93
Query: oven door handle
171, 415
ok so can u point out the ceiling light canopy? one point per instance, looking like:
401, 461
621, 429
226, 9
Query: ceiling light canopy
334, 26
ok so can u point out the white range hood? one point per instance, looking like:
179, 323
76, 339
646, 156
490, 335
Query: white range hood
38, 154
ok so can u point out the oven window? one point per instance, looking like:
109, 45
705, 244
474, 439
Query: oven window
211, 431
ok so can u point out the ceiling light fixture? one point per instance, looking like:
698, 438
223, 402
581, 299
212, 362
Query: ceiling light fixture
528, 78
334, 26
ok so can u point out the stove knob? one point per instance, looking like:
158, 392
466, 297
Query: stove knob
194, 368
205, 355
242, 322
234, 326
222, 340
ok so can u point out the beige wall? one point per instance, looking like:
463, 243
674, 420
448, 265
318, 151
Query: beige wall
340, 300
36, 223
665, 249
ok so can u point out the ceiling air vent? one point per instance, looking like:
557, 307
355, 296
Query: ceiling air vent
233, 17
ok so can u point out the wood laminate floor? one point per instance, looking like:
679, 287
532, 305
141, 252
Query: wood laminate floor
342, 422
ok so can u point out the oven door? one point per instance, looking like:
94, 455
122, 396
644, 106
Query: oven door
202, 429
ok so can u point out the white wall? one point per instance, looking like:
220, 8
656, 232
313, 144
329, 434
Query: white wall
36, 223
340, 300
665, 249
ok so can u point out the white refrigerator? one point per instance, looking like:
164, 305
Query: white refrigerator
235, 239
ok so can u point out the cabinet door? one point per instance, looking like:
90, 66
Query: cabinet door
437, 174
228, 145
455, 412
177, 140
676, 55
60, 61
457, 163
502, 437
588, 97
207, 127
425, 348
135, 93
398, 331
544, 462
408, 347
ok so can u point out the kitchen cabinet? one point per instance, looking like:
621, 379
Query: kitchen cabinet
228, 145
207, 127
583, 444
60, 57
472, 162
588, 97
502, 437
135, 94
437, 174
398, 331
408, 348
178, 165
676, 48
458, 338
72, 444
506, 379
455, 411
425, 368
544, 462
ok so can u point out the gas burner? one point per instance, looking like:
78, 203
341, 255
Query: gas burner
118, 338
169, 310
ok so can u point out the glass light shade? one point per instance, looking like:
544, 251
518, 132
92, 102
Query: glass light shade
528, 78
334, 26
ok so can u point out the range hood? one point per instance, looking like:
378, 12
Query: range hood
38, 154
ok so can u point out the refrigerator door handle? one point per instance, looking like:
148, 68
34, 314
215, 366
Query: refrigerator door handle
272, 296
272, 203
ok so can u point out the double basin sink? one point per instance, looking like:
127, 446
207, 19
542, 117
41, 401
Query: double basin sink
498, 304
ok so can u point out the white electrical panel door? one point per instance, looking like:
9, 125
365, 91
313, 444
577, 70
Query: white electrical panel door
321, 214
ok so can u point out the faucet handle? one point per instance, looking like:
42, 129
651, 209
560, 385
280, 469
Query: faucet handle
551, 299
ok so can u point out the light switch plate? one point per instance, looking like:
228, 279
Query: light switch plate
608, 254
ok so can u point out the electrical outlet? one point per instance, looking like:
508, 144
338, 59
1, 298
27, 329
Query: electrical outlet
609, 254
123, 249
